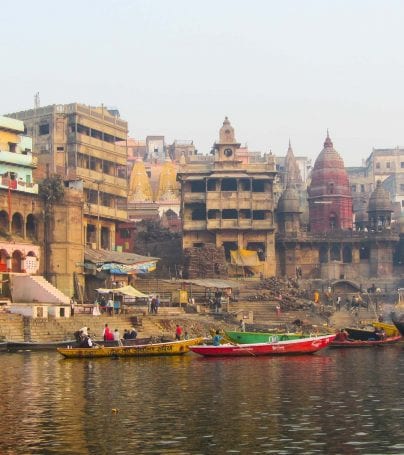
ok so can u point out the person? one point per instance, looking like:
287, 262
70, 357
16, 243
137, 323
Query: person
278, 310
103, 304
342, 335
86, 342
242, 325
117, 305
96, 309
132, 334
149, 304
126, 334
107, 334
153, 305
156, 304
186, 335
381, 318
178, 332
217, 338
117, 337
72, 303
84, 330
110, 306
339, 303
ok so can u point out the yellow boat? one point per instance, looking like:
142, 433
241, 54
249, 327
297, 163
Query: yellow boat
390, 329
170, 348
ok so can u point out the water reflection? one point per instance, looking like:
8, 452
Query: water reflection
333, 402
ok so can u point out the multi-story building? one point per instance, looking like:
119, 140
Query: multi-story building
84, 143
181, 148
229, 204
19, 205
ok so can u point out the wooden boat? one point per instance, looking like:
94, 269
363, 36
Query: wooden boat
364, 343
152, 349
261, 337
299, 346
389, 329
37, 346
400, 326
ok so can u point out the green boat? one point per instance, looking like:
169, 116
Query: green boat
261, 337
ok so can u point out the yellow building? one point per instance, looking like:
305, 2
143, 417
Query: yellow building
229, 204
82, 143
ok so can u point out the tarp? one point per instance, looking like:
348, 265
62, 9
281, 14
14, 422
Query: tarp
245, 258
126, 290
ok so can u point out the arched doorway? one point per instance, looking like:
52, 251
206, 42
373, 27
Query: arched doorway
17, 224
333, 221
3, 260
4, 221
30, 226
16, 260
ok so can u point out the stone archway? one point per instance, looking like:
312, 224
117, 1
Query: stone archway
16, 261
3, 260
30, 226
17, 224
4, 221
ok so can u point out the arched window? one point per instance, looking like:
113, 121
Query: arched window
3, 260
335, 253
4, 220
30, 226
16, 262
333, 221
17, 224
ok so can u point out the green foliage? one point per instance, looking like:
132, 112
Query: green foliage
51, 190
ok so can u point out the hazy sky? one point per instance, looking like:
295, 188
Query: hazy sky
278, 69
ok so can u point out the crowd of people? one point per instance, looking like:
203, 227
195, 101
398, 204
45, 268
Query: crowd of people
84, 338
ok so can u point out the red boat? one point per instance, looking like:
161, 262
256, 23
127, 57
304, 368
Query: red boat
364, 343
298, 346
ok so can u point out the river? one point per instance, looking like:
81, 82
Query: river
333, 402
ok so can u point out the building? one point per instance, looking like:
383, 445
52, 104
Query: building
229, 204
20, 208
184, 148
81, 142
332, 249
155, 149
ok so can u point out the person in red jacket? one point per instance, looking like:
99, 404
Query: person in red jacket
178, 332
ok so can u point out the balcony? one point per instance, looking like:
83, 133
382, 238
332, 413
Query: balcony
20, 159
105, 212
194, 197
194, 225
18, 185
262, 224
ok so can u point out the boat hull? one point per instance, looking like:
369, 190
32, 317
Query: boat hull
300, 346
153, 349
400, 326
260, 337
364, 343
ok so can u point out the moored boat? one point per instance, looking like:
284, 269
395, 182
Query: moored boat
152, 349
400, 326
389, 329
364, 343
37, 345
298, 346
261, 337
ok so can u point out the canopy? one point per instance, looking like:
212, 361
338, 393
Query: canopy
126, 290
245, 258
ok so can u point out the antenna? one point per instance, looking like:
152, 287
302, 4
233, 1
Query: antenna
37, 101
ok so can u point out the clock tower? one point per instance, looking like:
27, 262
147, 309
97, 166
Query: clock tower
227, 145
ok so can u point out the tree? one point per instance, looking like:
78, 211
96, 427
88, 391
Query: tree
51, 191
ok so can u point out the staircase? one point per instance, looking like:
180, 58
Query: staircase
31, 288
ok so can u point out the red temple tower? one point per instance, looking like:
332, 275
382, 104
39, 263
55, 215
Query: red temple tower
330, 199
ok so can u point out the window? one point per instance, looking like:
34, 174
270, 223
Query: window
331, 188
229, 185
258, 186
377, 165
388, 165
12, 147
362, 188
401, 187
353, 188
60, 149
44, 129
198, 186
402, 203
229, 214
402, 164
